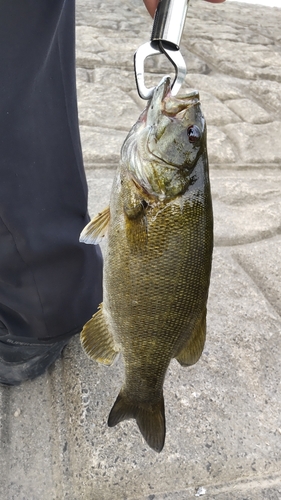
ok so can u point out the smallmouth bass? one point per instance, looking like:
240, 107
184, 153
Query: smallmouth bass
157, 261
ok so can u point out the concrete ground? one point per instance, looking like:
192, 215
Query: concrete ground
223, 415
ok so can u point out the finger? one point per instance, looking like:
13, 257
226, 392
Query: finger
152, 4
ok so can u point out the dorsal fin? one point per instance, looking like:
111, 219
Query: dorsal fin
96, 229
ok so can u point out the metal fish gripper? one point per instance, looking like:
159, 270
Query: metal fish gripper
165, 39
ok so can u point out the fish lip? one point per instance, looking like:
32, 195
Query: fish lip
162, 102
177, 106
155, 104
165, 87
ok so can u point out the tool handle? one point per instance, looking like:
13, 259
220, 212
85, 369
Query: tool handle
169, 22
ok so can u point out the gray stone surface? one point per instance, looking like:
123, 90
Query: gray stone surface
223, 414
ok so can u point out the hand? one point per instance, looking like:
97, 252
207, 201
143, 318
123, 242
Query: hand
152, 4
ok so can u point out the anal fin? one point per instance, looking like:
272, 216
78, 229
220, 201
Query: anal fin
191, 352
96, 229
150, 418
97, 340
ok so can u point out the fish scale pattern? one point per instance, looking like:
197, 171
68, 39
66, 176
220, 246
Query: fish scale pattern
156, 297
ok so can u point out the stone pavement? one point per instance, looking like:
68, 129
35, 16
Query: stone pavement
223, 415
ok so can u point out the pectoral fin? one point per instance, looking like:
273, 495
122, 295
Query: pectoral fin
96, 229
97, 340
193, 349
149, 417
135, 203
136, 233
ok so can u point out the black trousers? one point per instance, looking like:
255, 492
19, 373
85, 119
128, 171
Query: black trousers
50, 284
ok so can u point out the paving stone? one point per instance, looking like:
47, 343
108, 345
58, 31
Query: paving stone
249, 19
246, 223
256, 143
246, 490
216, 84
92, 51
254, 61
268, 92
249, 111
261, 260
116, 110
101, 146
99, 182
220, 148
123, 79
28, 447
194, 63
247, 206
215, 112
82, 75
128, 16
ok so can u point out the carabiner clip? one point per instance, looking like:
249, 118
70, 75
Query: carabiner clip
165, 39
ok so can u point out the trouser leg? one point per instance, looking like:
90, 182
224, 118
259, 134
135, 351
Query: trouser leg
50, 284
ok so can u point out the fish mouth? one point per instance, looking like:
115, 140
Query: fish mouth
162, 102
163, 88
175, 106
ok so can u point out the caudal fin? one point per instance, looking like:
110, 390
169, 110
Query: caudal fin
149, 417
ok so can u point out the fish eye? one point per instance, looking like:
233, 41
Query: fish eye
193, 133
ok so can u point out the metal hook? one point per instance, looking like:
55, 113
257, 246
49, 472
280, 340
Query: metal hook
165, 39
174, 56
141, 54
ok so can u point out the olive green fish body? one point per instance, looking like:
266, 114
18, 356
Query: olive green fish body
157, 266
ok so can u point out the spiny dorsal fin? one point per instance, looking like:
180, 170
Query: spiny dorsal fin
193, 349
97, 340
96, 229
149, 417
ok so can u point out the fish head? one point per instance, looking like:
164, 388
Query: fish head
164, 145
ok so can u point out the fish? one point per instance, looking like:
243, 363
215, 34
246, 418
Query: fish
157, 257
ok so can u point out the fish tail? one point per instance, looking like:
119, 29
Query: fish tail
149, 417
